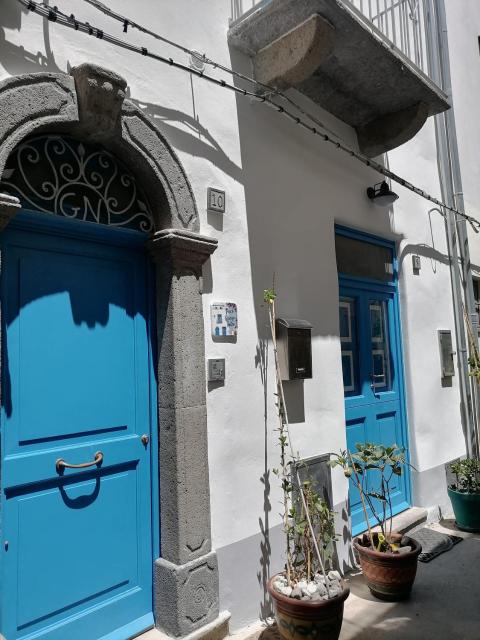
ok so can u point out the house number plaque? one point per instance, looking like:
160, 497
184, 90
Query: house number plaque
215, 200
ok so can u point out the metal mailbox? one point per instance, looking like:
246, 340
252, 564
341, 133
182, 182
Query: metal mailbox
294, 345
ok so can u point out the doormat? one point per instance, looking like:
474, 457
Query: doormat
433, 542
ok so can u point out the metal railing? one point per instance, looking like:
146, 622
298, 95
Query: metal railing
241, 8
401, 22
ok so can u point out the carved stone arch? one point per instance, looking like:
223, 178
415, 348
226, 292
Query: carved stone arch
90, 104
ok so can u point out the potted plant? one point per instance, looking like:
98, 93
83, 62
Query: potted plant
388, 560
464, 494
308, 596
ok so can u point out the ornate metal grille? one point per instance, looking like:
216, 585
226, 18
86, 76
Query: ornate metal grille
59, 175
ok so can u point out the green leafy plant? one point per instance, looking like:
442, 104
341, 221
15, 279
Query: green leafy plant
474, 355
382, 465
308, 522
304, 559
467, 474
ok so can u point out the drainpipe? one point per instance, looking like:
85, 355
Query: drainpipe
456, 228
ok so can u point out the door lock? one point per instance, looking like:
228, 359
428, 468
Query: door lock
145, 439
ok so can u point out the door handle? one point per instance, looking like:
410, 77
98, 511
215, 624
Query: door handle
60, 464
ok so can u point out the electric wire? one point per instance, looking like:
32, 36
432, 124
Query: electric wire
273, 91
55, 15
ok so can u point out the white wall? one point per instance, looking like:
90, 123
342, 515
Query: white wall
285, 191
463, 21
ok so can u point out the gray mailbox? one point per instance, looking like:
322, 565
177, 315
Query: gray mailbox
294, 344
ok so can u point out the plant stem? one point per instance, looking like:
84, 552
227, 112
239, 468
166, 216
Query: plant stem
360, 491
284, 431
281, 418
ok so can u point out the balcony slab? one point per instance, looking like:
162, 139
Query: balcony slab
326, 51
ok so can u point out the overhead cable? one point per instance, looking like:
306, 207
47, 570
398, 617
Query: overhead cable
54, 15
265, 88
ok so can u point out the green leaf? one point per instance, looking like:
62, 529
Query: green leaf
269, 295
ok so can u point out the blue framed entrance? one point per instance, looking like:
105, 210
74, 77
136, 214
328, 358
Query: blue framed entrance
372, 361
77, 388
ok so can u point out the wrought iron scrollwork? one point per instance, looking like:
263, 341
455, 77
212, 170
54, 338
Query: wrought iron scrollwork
62, 176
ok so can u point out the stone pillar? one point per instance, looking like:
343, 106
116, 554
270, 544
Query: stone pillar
9, 207
186, 576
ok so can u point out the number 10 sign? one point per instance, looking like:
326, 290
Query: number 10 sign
215, 200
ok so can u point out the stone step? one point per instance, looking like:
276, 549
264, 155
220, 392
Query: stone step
408, 520
216, 630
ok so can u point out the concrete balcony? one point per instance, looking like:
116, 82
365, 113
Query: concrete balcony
330, 52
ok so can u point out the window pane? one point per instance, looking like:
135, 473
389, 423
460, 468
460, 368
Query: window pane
363, 259
380, 370
348, 339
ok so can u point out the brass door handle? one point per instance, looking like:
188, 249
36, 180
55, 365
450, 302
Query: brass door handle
60, 464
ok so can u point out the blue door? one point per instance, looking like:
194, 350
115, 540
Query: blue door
76, 540
372, 376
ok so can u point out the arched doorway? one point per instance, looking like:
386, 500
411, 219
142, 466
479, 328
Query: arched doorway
89, 115
78, 395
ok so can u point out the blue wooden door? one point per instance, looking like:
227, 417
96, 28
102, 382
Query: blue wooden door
372, 379
76, 542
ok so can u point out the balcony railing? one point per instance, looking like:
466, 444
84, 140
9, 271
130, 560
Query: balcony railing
241, 8
401, 22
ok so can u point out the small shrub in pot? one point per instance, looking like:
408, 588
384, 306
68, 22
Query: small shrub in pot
309, 595
464, 493
388, 560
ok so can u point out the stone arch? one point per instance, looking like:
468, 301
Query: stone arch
90, 104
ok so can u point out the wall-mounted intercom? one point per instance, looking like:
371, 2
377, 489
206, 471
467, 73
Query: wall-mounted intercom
446, 353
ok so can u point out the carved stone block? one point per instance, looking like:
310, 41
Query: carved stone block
186, 596
100, 94
9, 206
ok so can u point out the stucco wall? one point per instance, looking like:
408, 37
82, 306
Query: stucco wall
285, 191
463, 32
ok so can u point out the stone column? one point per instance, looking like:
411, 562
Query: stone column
9, 207
186, 576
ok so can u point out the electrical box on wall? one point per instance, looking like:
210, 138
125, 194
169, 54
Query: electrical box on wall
446, 353
216, 369
294, 345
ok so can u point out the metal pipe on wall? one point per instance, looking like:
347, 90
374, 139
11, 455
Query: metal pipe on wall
456, 229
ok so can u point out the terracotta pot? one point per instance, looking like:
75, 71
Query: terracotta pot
389, 576
304, 620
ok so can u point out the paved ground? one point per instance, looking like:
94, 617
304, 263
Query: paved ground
445, 601
444, 605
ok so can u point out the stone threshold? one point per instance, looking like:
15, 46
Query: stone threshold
408, 520
216, 630
250, 632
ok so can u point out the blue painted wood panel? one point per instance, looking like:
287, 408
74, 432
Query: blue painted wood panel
373, 380
77, 546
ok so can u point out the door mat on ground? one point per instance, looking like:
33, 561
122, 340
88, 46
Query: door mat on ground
433, 542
